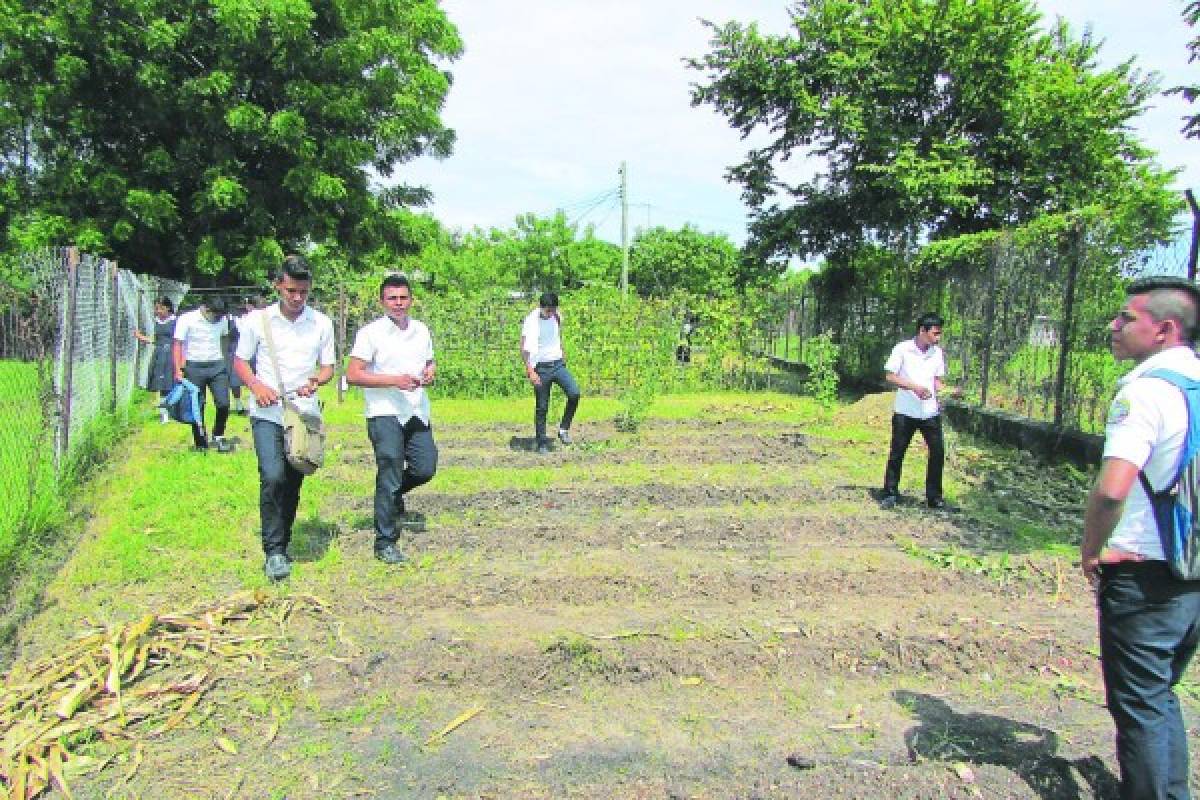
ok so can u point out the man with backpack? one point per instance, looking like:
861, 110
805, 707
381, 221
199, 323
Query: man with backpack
199, 355
1149, 618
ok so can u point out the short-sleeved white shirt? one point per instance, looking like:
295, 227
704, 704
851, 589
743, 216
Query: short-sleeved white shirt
1146, 425
389, 350
541, 337
201, 338
300, 346
922, 368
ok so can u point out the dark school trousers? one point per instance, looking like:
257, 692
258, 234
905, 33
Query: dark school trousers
1149, 627
551, 372
214, 376
278, 487
903, 428
405, 458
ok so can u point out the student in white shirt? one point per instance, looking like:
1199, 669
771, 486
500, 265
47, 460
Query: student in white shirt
199, 356
1149, 620
916, 367
542, 352
393, 361
303, 340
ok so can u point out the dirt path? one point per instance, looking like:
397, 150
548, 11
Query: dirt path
669, 616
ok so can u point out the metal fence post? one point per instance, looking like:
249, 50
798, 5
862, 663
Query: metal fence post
113, 314
341, 345
989, 325
69, 326
1064, 353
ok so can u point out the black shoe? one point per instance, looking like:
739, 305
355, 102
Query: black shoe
223, 445
277, 567
564, 436
390, 554
941, 505
543, 448
888, 502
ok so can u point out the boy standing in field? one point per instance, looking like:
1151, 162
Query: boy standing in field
393, 361
303, 338
916, 367
542, 353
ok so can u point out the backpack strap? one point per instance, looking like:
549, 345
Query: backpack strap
1190, 389
283, 398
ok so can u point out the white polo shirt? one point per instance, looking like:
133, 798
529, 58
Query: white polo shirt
910, 363
201, 338
389, 350
300, 346
1146, 425
541, 338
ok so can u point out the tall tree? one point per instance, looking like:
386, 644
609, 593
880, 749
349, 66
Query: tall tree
205, 137
928, 118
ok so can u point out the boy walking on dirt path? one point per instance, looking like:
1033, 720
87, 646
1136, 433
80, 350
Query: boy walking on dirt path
392, 360
542, 352
915, 368
1149, 620
303, 338
198, 354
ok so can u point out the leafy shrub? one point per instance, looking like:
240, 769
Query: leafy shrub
821, 358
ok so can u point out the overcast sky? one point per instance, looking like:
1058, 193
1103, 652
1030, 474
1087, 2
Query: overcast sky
551, 95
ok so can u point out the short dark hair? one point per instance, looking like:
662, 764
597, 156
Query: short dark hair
930, 319
295, 267
165, 302
395, 280
1171, 298
215, 304
548, 300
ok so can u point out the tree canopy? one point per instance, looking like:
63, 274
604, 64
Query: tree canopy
663, 260
928, 118
192, 137
1191, 15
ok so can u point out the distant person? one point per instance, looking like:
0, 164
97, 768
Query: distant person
1149, 620
304, 354
199, 356
393, 361
916, 367
545, 365
161, 374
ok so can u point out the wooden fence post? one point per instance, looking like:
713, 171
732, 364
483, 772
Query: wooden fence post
989, 325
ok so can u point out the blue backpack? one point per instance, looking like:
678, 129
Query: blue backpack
183, 403
1177, 505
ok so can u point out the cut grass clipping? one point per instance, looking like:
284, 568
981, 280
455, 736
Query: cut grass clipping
101, 686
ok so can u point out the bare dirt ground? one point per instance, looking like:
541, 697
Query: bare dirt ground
714, 608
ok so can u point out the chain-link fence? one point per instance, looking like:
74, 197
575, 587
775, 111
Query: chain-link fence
1026, 322
69, 360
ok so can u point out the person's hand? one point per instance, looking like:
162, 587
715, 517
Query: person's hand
178, 375
308, 389
427, 376
923, 393
1091, 568
534, 378
407, 382
264, 395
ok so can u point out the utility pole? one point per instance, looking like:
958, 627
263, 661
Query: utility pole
624, 173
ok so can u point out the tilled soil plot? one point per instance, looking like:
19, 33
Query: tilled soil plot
747, 623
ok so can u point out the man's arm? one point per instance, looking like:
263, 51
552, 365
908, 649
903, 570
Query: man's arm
263, 395
904, 383
324, 375
357, 375
177, 358
1105, 503
530, 371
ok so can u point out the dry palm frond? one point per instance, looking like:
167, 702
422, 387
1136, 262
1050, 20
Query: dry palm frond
98, 686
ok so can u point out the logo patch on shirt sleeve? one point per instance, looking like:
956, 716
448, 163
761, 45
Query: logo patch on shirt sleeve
1118, 411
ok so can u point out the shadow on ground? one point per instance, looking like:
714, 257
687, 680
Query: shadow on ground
1030, 751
